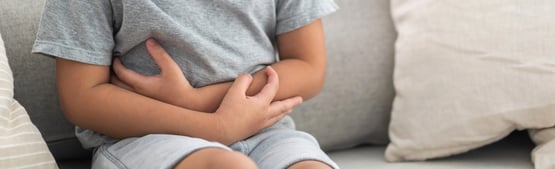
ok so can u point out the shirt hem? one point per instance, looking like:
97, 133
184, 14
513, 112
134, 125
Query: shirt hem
61, 51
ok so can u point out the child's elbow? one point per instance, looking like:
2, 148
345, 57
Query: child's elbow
74, 107
319, 82
316, 85
69, 111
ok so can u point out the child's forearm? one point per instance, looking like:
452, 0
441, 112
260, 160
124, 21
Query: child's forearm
90, 102
300, 79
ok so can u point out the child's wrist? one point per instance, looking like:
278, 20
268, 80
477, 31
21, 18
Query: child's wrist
208, 98
221, 130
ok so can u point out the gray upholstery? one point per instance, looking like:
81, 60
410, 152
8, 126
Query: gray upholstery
510, 153
352, 109
356, 100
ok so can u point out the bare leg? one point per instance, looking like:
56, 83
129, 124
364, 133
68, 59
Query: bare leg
214, 158
310, 164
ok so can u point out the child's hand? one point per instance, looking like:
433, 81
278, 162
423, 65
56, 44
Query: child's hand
241, 116
170, 86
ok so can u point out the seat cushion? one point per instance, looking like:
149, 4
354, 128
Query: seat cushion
510, 153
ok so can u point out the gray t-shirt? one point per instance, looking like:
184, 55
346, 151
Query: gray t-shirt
211, 40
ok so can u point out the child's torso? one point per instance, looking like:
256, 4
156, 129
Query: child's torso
211, 40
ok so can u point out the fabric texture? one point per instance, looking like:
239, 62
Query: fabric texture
510, 153
21, 144
276, 147
281, 146
354, 106
150, 151
204, 44
469, 73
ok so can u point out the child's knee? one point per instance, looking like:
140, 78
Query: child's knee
237, 160
309, 164
214, 158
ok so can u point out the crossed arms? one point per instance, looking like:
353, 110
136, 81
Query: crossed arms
225, 112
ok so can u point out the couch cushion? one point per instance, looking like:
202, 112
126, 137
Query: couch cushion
469, 73
354, 106
510, 153
34, 77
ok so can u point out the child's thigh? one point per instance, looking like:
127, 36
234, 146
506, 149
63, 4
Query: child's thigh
282, 147
151, 151
215, 158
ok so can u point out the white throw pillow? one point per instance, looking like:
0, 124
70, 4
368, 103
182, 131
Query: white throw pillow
468, 73
21, 144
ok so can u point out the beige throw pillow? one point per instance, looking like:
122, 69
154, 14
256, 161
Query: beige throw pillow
21, 144
543, 155
468, 73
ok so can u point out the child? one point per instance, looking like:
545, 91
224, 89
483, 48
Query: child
188, 113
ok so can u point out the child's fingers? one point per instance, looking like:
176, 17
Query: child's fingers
269, 90
280, 108
162, 58
116, 81
127, 76
240, 85
273, 120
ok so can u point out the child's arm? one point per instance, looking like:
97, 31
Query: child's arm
301, 67
90, 101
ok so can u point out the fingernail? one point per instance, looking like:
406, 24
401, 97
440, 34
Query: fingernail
150, 42
300, 99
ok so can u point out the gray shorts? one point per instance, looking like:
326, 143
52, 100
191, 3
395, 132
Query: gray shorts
276, 147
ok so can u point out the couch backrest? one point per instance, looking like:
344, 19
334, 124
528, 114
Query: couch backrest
354, 106
352, 109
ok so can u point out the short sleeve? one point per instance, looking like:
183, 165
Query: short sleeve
78, 30
293, 14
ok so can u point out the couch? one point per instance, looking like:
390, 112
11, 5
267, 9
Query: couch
349, 117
